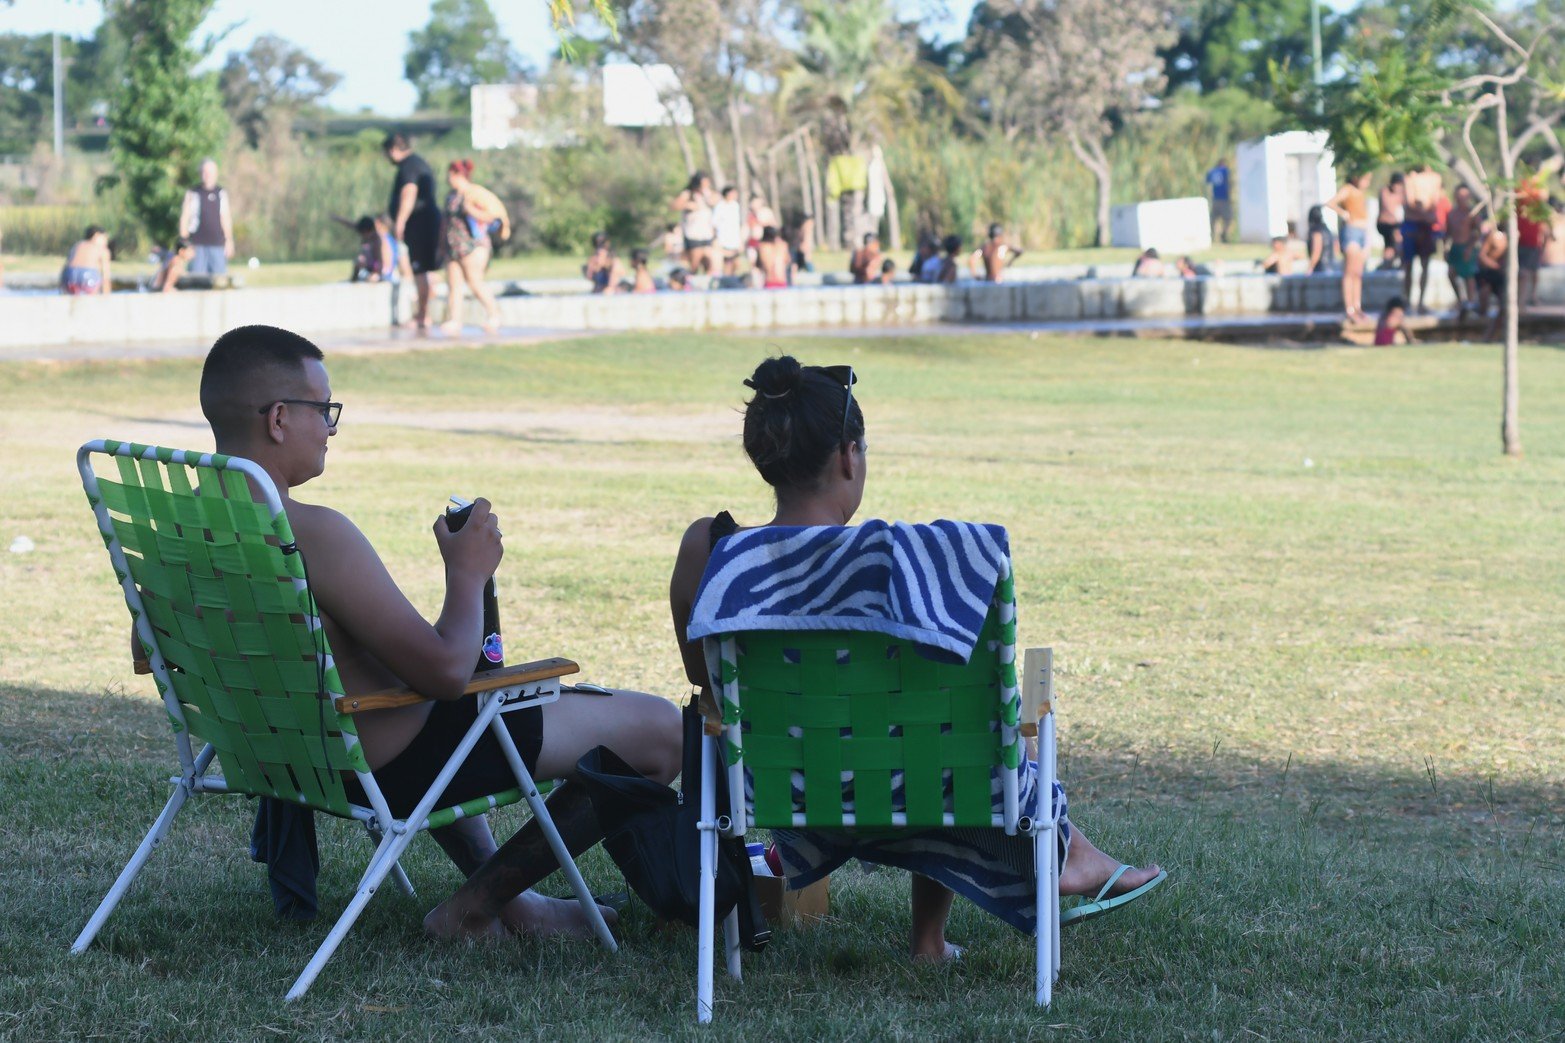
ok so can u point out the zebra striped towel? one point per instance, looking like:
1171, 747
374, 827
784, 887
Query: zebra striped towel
930, 584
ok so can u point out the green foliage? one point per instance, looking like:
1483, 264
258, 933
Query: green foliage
460, 47
166, 118
26, 64
51, 230
1386, 110
1217, 45
273, 80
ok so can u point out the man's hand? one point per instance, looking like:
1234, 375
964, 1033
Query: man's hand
475, 549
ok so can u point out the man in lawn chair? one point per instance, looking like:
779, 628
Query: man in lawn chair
266, 393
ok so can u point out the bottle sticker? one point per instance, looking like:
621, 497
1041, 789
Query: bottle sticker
493, 650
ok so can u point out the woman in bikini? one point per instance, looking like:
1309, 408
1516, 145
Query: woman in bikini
473, 216
804, 431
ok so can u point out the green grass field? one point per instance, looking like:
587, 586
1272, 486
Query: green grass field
1306, 619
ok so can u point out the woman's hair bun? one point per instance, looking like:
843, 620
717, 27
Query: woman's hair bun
776, 377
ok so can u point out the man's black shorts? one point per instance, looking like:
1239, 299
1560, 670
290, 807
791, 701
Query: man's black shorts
422, 236
406, 777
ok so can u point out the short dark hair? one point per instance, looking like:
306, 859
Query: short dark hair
1396, 302
245, 365
365, 225
92, 230
730, 188
795, 422
870, 237
951, 244
996, 230
638, 257
395, 139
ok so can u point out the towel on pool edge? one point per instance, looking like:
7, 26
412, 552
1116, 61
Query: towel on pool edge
931, 584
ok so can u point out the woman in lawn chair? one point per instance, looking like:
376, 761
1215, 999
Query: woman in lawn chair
805, 434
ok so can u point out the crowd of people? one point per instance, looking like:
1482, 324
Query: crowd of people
1415, 220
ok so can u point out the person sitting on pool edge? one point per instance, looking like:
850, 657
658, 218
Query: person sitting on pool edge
804, 432
267, 395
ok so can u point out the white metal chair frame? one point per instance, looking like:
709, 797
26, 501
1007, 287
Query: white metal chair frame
512, 689
1037, 720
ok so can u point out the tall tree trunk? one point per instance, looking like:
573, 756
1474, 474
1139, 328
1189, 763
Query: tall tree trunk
736, 130
806, 186
775, 199
893, 216
684, 146
817, 193
1510, 417
1090, 154
714, 162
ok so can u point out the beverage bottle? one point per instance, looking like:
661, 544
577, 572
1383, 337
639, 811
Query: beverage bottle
492, 655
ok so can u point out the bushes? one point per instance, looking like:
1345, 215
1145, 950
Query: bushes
51, 230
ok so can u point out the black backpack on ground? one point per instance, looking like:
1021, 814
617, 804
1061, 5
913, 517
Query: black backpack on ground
650, 832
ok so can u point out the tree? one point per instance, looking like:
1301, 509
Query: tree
26, 68
1503, 185
274, 79
164, 117
1219, 42
1076, 68
461, 47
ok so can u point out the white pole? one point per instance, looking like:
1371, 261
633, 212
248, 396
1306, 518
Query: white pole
59, 100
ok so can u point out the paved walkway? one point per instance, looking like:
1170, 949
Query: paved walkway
1315, 329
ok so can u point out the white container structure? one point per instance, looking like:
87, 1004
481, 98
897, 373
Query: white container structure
1170, 225
1279, 179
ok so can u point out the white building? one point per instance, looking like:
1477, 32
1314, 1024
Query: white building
1279, 178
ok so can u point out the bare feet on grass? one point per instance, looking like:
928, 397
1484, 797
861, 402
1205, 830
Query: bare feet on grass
1087, 869
528, 913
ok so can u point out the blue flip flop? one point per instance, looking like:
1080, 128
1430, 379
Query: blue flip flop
1086, 910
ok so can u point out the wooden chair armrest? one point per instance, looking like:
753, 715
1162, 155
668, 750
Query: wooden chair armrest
487, 681
1037, 688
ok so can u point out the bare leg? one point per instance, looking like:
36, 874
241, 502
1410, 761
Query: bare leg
421, 311
931, 910
453, 323
473, 266
467, 842
1423, 285
643, 729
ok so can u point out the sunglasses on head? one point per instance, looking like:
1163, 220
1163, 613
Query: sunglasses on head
845, 376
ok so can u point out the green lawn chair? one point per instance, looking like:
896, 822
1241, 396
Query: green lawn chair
821, 703
223, 611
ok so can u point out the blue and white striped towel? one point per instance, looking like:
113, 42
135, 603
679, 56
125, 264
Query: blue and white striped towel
930, 584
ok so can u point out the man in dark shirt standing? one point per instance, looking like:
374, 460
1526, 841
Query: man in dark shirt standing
415, 216
205, 221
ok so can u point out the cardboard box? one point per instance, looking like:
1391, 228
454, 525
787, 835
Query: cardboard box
788, 909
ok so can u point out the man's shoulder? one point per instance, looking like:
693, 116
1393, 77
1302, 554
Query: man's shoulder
318, 527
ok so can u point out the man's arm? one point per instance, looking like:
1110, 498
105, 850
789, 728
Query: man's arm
353, 588
228, 225
187, 214
407, 197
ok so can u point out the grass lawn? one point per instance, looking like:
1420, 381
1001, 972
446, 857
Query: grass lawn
1307, 625
560, 266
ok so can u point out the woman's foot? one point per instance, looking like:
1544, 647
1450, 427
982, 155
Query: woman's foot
491, 328
946, 953
446, 922
451, 328
1087, 869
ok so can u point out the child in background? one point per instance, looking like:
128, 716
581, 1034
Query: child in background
1390, 330
173, 267
888, 271
374, 262
642, 278
603, 269
86, 268
678, 279
1280, 260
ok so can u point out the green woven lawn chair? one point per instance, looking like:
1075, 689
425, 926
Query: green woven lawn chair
807, 706
218, 592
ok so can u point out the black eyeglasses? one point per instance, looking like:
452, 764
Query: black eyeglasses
331, 412
842, 375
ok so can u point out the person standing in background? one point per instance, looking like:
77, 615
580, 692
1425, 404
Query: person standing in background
415, 217
1219, 180
1389, 222
205, 220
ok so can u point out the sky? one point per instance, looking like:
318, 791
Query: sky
364, 40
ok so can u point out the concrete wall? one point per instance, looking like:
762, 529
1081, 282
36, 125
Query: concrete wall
32, 320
